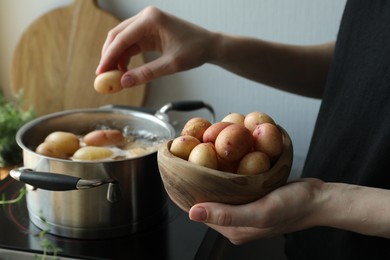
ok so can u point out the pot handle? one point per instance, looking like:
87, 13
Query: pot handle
55, 181
188, 105
185, 106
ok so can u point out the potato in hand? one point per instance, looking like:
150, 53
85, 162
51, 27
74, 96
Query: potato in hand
109, 82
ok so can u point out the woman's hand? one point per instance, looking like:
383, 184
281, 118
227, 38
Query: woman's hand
182, 46
299, 205
284, 210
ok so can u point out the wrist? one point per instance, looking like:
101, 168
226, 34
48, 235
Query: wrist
217, 48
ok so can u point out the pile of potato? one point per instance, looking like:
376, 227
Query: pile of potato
243, 144
96, 145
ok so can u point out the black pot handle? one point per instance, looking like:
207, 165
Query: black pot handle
184, 106
55, 181
61, 182
187, 106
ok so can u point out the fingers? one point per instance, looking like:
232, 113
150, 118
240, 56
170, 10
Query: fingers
147, 72
234, 222
124, 36
114, 32
222, 215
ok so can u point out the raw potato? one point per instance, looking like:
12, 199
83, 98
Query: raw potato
233, 142
63, 142
182, 146
92, 153
213, 131
254, 163
235, 118
204, 154
108, 82
268, 139
104, 138
247, 145
49, 149
196, 127
253, 119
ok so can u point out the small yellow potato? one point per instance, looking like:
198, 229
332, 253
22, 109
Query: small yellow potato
233, 142
268, 139
235, 118
182, 146
63, 142
213, 131
49, 149
137, 152
254, 119
254, 163
104, 138
92, 153
196, 127
108, 82
204, 154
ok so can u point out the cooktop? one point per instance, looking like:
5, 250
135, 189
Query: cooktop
176, 237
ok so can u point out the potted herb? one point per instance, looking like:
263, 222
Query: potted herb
12, 117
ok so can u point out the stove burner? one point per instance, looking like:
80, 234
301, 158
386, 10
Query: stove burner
174, 238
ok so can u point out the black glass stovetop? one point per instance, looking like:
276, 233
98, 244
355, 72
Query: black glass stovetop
176, 237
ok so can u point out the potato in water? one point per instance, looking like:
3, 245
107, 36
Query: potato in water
92, 153
49, 149
104, 138
63, 142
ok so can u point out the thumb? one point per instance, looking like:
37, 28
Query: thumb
146, 72
221, 214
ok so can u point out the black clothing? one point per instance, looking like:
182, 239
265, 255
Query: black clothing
351, 141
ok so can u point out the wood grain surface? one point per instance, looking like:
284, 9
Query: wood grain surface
55, 60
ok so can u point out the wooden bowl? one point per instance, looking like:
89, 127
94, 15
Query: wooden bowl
188, 184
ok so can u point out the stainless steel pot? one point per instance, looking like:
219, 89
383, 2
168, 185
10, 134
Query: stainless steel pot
95, 199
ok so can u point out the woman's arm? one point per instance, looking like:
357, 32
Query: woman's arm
298, 69
182, 45
300, 205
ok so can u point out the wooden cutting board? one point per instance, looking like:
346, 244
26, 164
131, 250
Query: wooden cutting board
56, 58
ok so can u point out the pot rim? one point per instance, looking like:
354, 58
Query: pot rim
123, 111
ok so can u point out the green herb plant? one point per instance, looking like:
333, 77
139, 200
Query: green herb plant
47, 245
12, 117
18, 199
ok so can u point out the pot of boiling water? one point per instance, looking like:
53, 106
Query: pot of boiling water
96, 199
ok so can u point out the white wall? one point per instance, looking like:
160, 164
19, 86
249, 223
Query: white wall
298, 22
